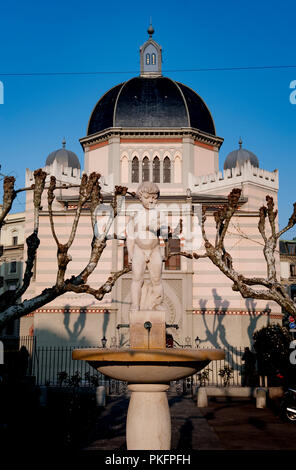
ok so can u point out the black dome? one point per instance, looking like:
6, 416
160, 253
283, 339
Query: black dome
144, 102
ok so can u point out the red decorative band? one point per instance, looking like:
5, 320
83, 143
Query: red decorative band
202, 144
156, 140
257, 313
69, 310
96, 146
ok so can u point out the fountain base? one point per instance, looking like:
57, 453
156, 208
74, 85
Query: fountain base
148, 425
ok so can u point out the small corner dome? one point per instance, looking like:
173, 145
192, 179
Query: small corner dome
63, 157
237, 158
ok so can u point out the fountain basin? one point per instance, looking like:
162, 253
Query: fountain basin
147, 366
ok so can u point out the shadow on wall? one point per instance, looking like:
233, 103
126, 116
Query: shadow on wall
74, 331
217, 334
48, 338
78, 327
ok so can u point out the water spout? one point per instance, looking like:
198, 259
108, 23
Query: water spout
148, 326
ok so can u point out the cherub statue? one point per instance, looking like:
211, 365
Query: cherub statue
143, 231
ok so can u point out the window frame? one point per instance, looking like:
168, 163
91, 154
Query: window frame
135, 171
12, 263
167, 171
145, 169
156, 170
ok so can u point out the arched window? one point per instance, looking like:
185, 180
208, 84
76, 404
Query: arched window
124, 170
153, 59
145, 169
177, 170
167, 170
147, 59
156, 170
135, 170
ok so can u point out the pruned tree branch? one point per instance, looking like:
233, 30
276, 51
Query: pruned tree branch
8, 298
272, 288
102, 290
89, 190
185, 254
9, 194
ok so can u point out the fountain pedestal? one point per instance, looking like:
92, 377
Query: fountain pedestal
148, 373
148, 425
151, 338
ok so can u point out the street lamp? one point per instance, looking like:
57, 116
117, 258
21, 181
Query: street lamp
197, 341
104, 341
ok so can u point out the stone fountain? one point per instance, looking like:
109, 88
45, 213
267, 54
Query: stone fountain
148, 366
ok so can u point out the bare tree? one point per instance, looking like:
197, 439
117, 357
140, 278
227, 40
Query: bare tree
11, 306
269, 288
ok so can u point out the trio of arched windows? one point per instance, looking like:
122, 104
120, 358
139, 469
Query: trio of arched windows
155, 170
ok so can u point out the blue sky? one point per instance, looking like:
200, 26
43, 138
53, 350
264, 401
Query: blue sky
38, 37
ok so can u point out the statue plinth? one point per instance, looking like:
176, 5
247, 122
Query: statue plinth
147, 338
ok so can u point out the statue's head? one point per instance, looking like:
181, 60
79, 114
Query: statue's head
148, 193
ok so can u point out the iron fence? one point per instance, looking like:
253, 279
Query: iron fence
226, 372
54, 366
52, 363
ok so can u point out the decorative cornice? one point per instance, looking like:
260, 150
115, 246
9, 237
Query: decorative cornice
17, 248
98, 145
150, 135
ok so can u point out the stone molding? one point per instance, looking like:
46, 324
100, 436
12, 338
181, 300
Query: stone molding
151, 134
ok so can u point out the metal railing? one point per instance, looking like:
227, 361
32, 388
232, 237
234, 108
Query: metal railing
50, 361
233, 360
54, 366
212, 375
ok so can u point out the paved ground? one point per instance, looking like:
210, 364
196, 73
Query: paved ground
226, 424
